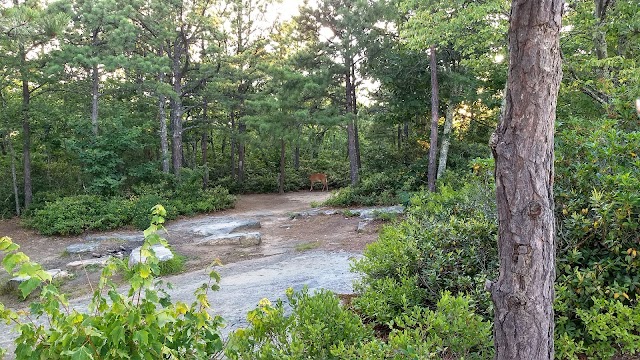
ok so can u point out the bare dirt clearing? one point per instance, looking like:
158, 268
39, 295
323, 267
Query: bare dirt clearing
281, 234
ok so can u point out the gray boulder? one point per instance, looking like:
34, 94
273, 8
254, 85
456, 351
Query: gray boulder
162, 253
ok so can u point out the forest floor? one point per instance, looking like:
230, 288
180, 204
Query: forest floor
282, 234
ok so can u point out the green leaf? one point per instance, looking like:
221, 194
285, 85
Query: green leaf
28, 286
10, 261
81, 353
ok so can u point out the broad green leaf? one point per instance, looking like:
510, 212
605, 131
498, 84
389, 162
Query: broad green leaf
28, 286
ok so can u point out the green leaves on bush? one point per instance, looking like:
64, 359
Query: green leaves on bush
142, 324
76, 214
447, 242
451, 331
317, 325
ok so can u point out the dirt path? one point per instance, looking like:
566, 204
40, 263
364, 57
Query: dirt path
281, 234
311, 251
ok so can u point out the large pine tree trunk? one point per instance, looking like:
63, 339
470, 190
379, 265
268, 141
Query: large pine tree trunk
523, 148
433, 141
446, 139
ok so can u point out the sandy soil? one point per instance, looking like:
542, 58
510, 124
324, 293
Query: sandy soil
281, 233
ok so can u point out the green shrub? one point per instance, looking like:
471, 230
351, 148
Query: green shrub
451, 331
446, 242
383, 299
598, 212
609, 328
316, 325
144, 323
76, 214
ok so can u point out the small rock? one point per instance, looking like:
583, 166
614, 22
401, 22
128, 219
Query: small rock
96, 255
162, 253
83, 263
362, 225
123, 248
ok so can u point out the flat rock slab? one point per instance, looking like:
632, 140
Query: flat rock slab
99, 262
242, 239
364, 213
214, 226
81, 248
316, 212
162, 253
374, 212
117, 237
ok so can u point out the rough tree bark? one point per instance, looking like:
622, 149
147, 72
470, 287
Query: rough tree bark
433, 141
523, 148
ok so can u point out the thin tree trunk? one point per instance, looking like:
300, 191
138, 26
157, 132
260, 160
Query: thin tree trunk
523, 148
242, 129
176, 111
204, 143
296, 152
164, 136
446, 139
354, 109
14, 176
162, 119
433, 142
95, 88
282, 163
26, 129
232, 146
351, 133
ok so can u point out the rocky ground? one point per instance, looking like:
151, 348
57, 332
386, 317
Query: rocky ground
267, 243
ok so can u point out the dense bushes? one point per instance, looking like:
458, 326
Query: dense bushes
384, 188
76, 214
447, 242
142, 324
598, 212
318, 327
451, 331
